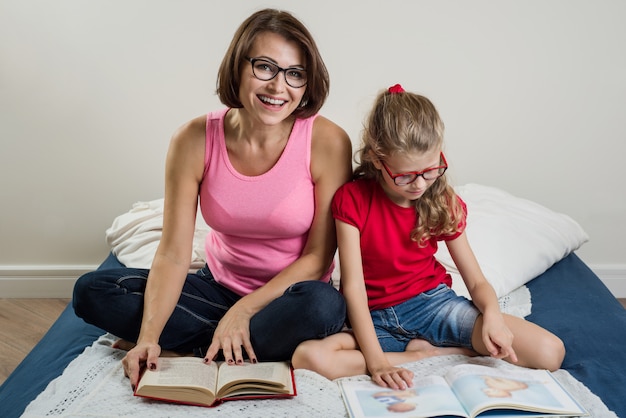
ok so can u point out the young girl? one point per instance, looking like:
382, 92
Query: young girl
400, 305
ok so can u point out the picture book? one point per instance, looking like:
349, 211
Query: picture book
466, 390
189, 380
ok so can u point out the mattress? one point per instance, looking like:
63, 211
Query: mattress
568, 299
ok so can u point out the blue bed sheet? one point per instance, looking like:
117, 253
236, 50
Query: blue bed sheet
568, 299
572, 302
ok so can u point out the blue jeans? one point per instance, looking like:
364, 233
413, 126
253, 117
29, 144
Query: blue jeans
438, 316
113, 300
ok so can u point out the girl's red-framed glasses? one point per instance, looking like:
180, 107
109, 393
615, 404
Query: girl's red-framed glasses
429, 174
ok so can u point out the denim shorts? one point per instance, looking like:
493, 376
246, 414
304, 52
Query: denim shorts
438, 316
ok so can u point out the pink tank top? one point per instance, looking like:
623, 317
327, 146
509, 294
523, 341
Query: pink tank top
259, 224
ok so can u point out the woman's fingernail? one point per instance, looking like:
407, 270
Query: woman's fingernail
239, 361
152, 366
206, 360
254, 360
230, 361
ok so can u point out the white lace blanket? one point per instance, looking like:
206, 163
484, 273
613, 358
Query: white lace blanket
93, 385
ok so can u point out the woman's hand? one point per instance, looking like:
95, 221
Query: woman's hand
143, 354
392, 377
232, 336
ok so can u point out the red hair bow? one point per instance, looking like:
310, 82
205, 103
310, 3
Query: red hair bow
396, 89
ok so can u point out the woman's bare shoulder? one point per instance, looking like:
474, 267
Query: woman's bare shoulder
327, 136
331, 151
190, 130
187, 146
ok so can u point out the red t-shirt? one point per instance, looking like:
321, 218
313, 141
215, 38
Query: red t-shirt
395, 267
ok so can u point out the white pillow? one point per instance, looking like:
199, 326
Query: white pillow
514, 239
135, 235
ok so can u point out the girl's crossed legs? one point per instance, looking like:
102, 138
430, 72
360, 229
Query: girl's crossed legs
439, 323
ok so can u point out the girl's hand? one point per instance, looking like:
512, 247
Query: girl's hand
498, 338
231, 335
143, 354
392, 377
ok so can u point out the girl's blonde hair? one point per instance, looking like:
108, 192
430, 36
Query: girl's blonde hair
404, 123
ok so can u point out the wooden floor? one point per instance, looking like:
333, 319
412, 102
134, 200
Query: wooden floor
22, 324
24, 321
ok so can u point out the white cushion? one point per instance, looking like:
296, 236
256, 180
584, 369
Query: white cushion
514, 239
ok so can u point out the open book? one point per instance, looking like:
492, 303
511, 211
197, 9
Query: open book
466, 390
188, 380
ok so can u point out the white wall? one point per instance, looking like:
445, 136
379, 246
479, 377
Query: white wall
532, 94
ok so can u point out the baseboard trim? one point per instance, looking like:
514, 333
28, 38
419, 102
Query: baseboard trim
45, 281
57, 281
613, 276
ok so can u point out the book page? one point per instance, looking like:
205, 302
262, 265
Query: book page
480, 388
430, 396
265, 377
181, 371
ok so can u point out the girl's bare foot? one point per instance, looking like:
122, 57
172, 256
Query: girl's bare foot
423, 349
123, 345
127, 346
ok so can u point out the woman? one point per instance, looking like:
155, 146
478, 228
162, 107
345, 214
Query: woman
265, 170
